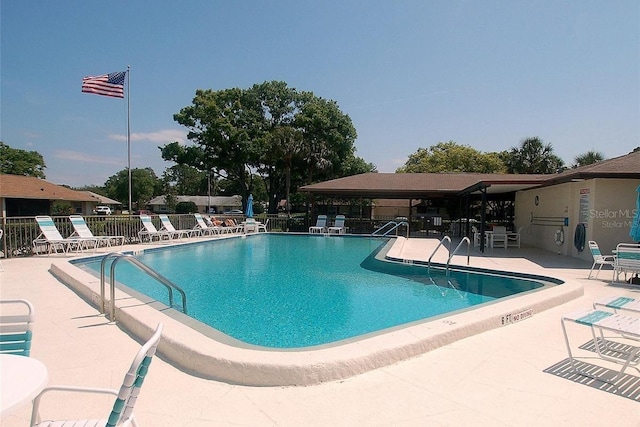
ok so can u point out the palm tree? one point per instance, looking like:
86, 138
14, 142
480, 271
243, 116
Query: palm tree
533, 156
588, 158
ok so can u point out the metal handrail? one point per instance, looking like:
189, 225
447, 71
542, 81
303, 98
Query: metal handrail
451, 254
441, 243
395, 226
136, 262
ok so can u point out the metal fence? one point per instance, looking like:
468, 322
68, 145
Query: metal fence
19, 232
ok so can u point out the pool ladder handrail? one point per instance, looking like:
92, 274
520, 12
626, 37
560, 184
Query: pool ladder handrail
395, 226
136, 262
451, 254
441, 243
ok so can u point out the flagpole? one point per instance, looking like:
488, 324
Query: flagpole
129, 132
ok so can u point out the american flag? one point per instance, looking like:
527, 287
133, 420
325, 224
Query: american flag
111, 84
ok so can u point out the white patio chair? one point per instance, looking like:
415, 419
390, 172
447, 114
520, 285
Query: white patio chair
150, 232
499, 237
122, 411
168, 227
321, 225
16, 326
51, 238
338, 226
82, 231
599, 259
203, 227
513, 239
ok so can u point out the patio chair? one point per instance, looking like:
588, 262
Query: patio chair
599, 259
513, 239
263, 226
250, 226
203, 227
122, 411
499, 237
150, 232
321, 225
627, 260
168, 227
16, 326
338, 226
81, 230
51, 238
619, 302
607, 349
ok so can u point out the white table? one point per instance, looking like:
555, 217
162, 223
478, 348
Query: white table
21, 379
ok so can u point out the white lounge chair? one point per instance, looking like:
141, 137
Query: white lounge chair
51, 238
203, 227
16, 326
321, 225
338, 226
150, 232
627, 260
599, 259
82, 231
168, 227
619, 302
598, 320
122, 411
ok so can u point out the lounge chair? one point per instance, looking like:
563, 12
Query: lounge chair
619, 302
82, 231
168, 227
150, 232
599, 259
321, 225
203, 227
598, 320
51, 238
263, 226
338, 226
627, 260
16, 326
122, 411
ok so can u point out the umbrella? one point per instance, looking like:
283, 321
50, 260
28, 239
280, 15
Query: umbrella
635, 224
250, 206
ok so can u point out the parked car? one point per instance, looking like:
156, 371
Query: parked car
103, 210
144, 212
234, 212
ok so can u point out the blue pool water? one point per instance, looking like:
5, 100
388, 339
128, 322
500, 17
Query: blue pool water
291, 291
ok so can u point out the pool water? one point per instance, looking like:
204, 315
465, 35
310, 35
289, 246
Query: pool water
292, 291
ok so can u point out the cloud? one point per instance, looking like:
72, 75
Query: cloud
86, 158
163, 136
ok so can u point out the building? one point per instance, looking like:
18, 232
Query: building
205, 204
29, 196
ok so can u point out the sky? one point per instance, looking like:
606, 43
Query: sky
409, 73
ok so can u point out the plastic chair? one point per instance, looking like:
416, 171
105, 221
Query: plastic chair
338, 226
321, 225
599, 259
122, 412
16, 326
81, 230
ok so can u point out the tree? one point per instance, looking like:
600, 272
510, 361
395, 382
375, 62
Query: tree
452, 157
533, 156
14, 161
144, 186
185, 180
281, 134
588, 158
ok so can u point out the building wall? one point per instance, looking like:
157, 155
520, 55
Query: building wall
605, 206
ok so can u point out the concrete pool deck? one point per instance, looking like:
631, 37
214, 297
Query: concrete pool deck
494, 378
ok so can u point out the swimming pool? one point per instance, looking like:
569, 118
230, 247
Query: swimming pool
206, 352
294, 291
